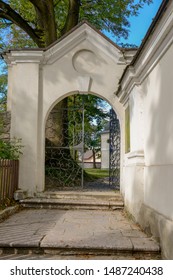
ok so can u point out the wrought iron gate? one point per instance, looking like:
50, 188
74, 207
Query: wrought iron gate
64, 147
114, 150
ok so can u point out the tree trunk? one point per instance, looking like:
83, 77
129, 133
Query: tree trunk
44, 34
72, 16
94, 159
57, 125
45, 20
7, 13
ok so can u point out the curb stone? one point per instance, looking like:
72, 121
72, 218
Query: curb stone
4, 214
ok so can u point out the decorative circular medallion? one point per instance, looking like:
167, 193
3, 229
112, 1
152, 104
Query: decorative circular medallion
84, 61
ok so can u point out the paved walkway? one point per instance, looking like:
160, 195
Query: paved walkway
55, 231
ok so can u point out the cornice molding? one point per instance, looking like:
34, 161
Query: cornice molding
136, 158
25, 56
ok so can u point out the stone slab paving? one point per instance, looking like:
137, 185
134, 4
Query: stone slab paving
74, 229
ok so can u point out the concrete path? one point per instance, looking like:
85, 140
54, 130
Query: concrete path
56, 232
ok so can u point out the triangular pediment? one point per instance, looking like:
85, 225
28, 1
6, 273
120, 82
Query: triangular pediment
86, 35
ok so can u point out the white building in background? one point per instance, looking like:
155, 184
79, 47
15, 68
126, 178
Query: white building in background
89, 160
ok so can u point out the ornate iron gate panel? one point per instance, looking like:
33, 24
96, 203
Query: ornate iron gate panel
114, 151
64, 146
64, 149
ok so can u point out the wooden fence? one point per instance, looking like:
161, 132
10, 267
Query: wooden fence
9, 170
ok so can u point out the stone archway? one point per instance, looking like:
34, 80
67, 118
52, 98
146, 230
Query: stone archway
74, 132
40, 78
84, 61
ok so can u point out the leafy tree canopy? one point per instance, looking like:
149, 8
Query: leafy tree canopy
96, 117
46, 20
38, 23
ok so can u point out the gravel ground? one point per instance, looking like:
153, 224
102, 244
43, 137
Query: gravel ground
101, 185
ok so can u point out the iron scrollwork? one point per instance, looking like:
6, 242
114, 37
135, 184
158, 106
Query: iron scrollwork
114, 150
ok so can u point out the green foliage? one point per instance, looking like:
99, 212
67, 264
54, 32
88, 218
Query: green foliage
17, 38
25, 9
61, 12
96, 114
10, 149
97, 173
7, 202
110, 15
128, 46
96, 109
3, 91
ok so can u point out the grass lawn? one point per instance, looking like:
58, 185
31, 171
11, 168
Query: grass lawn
97, 173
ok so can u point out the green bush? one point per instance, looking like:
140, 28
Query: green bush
11, 149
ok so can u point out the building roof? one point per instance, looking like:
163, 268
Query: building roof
88, 154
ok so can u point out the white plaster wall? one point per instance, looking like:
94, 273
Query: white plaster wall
38, 80
10, 87
133, 170
136, 103
133, 175
61, 78
24, 109
148, 168
158, 119
151, 134
159, 136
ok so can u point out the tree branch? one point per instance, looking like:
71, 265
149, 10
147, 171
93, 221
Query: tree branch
39, 4
46, 19
5, 20
72, 16
56, 3
3, 15
8, 13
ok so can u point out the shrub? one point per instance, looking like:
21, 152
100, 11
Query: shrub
11, 149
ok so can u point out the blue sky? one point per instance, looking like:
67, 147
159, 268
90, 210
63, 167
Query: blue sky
141, 23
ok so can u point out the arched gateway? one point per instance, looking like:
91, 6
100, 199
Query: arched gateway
83, 62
